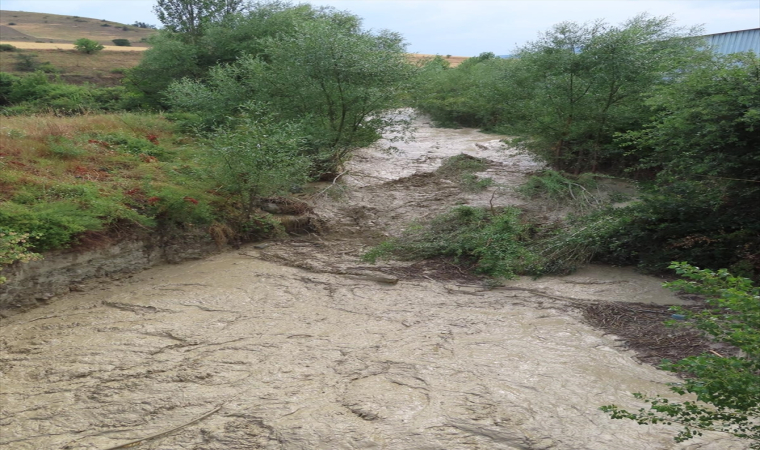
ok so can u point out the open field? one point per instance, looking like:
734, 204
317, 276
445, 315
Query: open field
103, 68
17, 26
64, 46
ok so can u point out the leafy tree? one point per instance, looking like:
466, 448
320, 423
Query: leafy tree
337, 81
192, 16
704, 143
259, 156
88, 46
172, 56
341, 82
470, 95
727, 388
586, 81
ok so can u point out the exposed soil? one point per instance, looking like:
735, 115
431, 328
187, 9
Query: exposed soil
298, 344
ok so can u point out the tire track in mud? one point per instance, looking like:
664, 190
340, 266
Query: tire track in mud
299, 346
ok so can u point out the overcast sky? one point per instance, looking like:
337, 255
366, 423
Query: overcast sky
459, 27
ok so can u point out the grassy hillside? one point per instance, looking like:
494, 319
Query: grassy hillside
103, 69
46, 40
17, 26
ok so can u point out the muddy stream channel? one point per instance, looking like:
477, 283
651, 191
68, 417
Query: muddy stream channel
298, 344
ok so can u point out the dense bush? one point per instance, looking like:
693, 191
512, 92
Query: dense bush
493, 244
7, 48
257, 157
338, 99
36, 93
51, 225
121, 42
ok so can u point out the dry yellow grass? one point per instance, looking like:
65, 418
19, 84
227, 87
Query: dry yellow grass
52, 28
453, 60
104, 68
63, 46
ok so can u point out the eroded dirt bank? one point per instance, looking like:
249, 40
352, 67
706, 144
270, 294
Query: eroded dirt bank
298, 345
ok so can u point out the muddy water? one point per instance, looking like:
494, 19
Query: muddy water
295, 346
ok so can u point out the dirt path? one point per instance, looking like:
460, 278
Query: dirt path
298, 345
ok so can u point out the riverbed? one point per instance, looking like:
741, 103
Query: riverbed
298, 344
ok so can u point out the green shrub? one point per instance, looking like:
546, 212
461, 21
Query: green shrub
14, 246
87, 46
462, 168
563, 189
121, 42
29, 88
64, 148
172, 205
26, 62
461, 163
131, 144
7, 81
50, 225
492, 244
259, 157
7, 48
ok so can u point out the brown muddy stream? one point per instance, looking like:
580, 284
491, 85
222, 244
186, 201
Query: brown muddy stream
300, 345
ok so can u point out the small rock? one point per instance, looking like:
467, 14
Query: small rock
76, 288
261, 246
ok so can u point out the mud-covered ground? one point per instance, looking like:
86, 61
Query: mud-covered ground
297, 344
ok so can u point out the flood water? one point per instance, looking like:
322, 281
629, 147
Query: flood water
249, 350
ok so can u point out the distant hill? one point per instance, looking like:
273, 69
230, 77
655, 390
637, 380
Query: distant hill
50, 37
26, 27
453, 60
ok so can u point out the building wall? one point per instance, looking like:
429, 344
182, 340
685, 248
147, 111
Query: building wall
735, 41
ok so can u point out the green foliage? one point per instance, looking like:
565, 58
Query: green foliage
566, 94
88, 46
585, 82
494, 244
7, 48
461, 163
563, 189
26, 62
36, 93
121, 42
322, 72
595, 235
7, 81
462, 168
473, 94
172, 205
258, 157
14, 247
192, 16
129, 143
727, 388
64, 148
49, 225
704, 206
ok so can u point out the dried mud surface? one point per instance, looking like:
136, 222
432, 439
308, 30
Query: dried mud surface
297, 344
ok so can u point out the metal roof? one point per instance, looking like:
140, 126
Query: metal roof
735, 41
